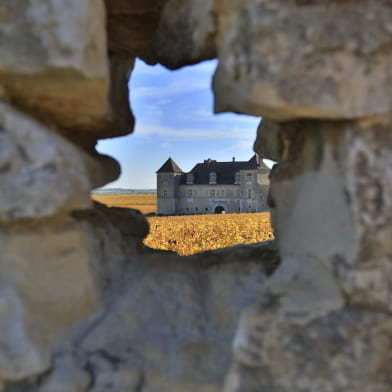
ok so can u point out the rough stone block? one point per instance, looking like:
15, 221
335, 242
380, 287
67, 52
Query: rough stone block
268, 143
47, 286
19, 355
331, 200
186, 33
347, 350
131, 26
289, 59
172, 326
54, 63
41, 173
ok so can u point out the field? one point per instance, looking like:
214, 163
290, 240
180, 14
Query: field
191, 234
146, 204
194, 233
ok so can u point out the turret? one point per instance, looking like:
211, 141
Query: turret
168, 178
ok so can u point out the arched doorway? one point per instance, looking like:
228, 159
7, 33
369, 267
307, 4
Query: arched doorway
220, 210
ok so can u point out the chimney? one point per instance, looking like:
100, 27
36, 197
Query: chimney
233, 159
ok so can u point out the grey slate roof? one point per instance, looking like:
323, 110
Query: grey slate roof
169, 167
225, 171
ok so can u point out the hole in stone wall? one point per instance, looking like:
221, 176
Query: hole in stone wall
174, 119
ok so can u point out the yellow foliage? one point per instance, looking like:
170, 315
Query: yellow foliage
195, 233
146, 204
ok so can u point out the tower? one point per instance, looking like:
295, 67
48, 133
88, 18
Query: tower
168, 178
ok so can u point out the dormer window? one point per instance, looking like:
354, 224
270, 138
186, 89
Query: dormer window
212, 179
237, 178
189, 178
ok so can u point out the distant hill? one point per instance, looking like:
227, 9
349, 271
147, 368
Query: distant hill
123, 191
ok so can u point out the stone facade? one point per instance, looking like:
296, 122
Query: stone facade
236, 187
86, 307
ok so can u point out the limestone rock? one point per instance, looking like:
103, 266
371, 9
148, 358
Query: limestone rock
316, 59
131, 26
48, 264
338, 174
54, 65
171, 304
19, 356
120, 71
347, 350
268, 143
41, 173
186, 33
68, 376
128, 221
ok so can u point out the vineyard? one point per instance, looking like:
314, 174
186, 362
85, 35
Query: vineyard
194, 233
146, 204
191, 234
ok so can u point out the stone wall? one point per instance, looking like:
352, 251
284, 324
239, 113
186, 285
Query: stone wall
84, 306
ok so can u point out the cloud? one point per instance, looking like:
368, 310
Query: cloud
177, 87
165, 145
221, 119
243, 135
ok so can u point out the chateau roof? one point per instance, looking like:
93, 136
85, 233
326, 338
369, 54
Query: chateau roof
170, 167
225, 171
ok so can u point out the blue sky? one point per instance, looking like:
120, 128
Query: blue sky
174, 117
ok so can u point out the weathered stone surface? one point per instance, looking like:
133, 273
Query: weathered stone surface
47, 285
172, 326
131, 26
338, 174
127, 221
41, 173
268, 143
69, 376
85, 306
186, 33
19, 356
54, 65
316, 59
57, 277
323, 321
120, 71
345, 351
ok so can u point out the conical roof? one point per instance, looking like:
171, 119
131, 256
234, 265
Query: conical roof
170, 167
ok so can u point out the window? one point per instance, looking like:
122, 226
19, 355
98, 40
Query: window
212, 178
237, 178
206, 208
196, 209
189, 193
189, 178
248, 178
165, 178
249, 193
212, 192
165, 194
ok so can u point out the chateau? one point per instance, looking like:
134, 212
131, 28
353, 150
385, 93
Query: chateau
213, 187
